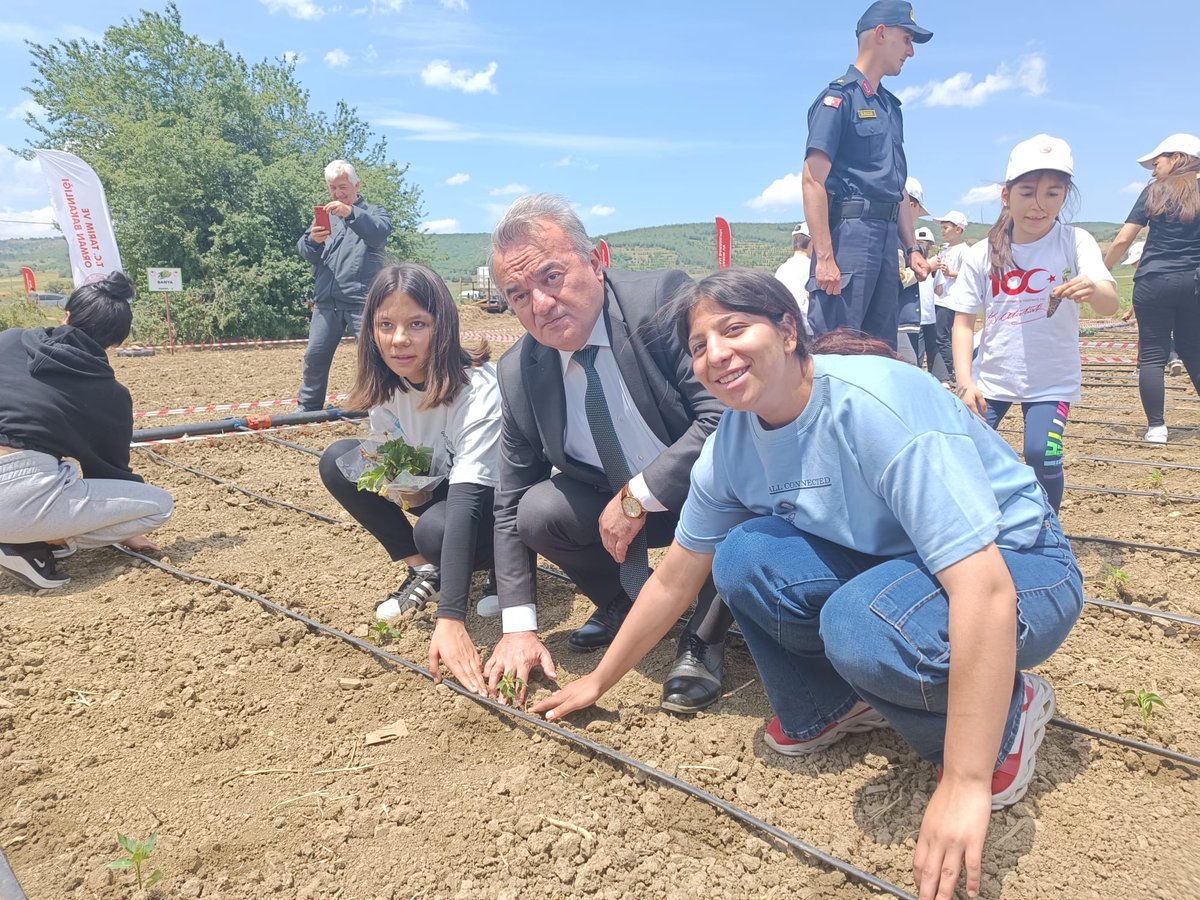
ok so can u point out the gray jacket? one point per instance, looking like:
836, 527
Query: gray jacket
346, 264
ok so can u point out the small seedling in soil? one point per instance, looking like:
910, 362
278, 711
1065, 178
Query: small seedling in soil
1115, 581
1144, 701
139, 852
510, 688
1156, 479
381, 632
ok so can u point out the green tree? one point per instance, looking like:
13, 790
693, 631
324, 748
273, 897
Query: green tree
211, 165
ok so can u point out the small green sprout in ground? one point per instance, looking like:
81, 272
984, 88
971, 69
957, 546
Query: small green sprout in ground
510, 688
1144, 701
381, 632
1115, 581
1156, 479
139, 852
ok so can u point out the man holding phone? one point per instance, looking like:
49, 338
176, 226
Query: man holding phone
345, 245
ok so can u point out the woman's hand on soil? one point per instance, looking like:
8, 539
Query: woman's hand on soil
140, 544
579, 694
518, 652
451, 644
952, 834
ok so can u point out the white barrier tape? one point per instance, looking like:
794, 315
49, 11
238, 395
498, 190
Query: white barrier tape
227, 407
1110, 345
229, 434
498, 336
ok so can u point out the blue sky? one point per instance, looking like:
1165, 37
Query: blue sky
650, 113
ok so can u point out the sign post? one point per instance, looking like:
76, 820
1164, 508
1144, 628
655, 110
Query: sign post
166, 281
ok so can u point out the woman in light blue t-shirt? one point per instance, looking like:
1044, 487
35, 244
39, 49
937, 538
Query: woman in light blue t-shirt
860, 522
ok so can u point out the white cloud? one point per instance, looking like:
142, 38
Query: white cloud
337, 58
565, 162
782, 193
27, 106
1027, 75
14, 223
440, 226
509, 190
1134, 187
383, 7
294, 57
439, 74
981, 196
599, 210
455, 4
19, 33
297, 9
372, 54
458, 178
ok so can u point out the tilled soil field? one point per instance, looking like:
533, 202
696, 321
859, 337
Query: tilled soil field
133, 701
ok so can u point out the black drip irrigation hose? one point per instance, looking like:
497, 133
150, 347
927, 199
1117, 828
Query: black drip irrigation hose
1121, 492
802, 847
1133, 545
1144, 611
1139, 462
1165, 753
280, 441
216, 479
167, 432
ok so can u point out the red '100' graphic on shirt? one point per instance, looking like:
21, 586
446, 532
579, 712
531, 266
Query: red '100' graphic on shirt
1018, 282
1015, 293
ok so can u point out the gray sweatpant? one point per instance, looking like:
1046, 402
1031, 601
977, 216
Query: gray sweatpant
42, 499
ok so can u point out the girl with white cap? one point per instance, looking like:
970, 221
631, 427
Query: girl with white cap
1166, 286
1029, 346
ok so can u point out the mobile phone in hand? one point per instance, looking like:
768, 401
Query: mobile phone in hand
321, 217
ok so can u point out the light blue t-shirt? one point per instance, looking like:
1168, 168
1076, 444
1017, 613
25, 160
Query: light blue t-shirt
883, 460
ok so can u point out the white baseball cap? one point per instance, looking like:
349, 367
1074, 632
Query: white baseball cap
1176, 143
802, 228
924, 234
1040, 152
954, 217
1135, 254
916, 192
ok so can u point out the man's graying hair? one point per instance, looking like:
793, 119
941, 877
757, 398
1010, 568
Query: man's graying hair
524, 219
338, 168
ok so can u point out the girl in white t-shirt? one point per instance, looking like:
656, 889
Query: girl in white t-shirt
1019, 277
419, 383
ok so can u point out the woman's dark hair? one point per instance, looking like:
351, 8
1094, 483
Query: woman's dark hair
740, 290
999, 238
1177, 194
848, 342
101, 310
448, 359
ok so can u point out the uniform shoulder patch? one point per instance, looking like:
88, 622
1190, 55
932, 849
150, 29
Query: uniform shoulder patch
832, 101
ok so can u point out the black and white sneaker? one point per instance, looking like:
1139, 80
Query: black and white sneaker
33, 564
420, 587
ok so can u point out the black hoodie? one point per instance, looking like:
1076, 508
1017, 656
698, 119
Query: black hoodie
58, 395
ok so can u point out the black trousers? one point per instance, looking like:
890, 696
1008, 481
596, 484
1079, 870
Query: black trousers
559, 519
1167, 307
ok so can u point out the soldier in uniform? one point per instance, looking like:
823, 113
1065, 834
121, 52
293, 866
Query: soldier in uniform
855, 200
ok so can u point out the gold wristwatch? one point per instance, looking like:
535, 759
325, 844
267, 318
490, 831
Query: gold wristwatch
631, 505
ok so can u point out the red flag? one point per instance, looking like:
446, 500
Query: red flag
30, 284
724, 244
604, 258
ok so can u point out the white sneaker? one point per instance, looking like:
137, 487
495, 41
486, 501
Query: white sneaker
1156, 434
420, 587
1175, 367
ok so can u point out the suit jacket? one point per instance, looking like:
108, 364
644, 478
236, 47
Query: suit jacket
658, 373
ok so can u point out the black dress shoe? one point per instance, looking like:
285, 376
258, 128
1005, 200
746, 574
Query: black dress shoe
694, 682
598, 631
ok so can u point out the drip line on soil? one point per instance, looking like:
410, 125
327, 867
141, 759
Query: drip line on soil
1139, 462
1144, 611
230, 434
1173, 755
802, 847
1133, 545
216, 479
1121, 492
280, 441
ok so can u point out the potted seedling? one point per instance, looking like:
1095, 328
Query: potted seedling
393, 469
138, 853
1145, 702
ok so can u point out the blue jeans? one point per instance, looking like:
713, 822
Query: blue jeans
827, 625
1042, 450
328, 326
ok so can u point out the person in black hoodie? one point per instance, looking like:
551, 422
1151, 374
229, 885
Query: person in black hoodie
59, 399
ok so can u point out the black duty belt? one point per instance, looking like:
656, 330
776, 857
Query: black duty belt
864, 209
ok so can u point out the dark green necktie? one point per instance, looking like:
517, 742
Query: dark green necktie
636, 568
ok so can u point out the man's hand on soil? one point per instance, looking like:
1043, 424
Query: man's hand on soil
518, 652
452, 645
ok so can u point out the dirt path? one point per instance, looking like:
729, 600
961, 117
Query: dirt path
132, 701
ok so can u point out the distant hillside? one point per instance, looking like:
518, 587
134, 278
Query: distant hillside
43, 255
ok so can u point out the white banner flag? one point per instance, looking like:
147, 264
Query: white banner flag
82, 212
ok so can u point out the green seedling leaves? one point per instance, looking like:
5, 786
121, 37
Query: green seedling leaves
381, 632
139, 852
1145, 702
392, 458
511, 687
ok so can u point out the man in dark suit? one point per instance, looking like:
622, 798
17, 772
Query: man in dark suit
603, 419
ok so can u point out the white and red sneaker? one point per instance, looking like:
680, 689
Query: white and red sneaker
1011, 780
862, 717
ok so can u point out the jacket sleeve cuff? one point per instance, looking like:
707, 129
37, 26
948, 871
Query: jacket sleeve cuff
639, 489
519, 618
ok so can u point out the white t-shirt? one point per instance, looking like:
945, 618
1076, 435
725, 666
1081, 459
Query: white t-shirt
1029, 345
465, 436
793, 272
953, 257
925, 292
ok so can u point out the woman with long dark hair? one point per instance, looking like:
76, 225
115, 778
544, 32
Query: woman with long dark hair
861, 523
1166, 286
61, 401
419, 383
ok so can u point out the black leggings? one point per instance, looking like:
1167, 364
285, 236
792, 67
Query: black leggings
453, 527
1167, 306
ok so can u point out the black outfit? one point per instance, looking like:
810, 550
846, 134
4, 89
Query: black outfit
1166, 301
456, 523
59, 396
